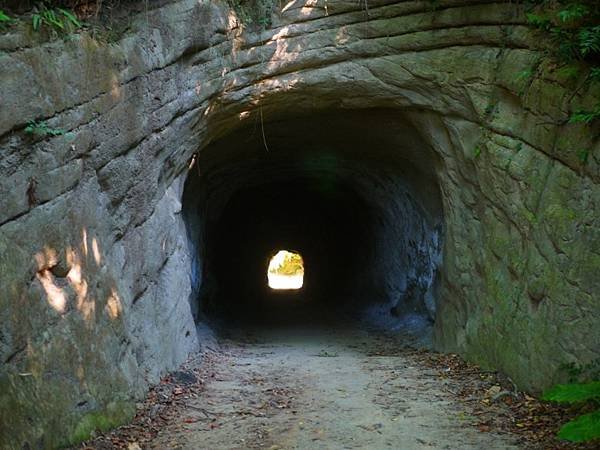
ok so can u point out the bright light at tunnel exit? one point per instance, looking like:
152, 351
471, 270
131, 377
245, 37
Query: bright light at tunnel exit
286, 270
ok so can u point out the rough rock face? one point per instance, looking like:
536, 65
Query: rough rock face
96, 270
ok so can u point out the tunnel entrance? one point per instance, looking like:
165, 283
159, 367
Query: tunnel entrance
355, 194
285, 271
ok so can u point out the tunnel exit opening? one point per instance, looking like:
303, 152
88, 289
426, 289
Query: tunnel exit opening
285, 271
357, 198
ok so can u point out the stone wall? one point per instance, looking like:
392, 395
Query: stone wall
94, 303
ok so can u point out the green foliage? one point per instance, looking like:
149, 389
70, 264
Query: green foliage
573, 27
574, 393
574, 30
586, 427
286, 263
539, 21
253, 12
589, 40
115, 414
586, 117
41, 129
4, 20
572, 12
56, 19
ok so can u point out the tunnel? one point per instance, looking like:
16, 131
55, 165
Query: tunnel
354, 193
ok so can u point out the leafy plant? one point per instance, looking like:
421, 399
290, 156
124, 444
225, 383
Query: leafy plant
539, 21
589, 40
572, 12
57, 19
253, 12
574, 392
586, 117
42, 129
585, 427
573, 27
4, 20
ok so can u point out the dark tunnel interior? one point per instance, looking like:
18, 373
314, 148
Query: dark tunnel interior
354, 194
327, 223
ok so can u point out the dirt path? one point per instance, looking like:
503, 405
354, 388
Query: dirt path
321, 389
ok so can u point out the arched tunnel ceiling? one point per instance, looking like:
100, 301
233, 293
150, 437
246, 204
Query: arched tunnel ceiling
336, 145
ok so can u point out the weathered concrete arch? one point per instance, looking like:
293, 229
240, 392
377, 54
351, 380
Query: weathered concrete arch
92, 237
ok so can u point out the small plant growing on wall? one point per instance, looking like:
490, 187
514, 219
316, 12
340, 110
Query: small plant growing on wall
5, 20
585, 428
573, 27
254, 12
41, 129
56, 19
574, 30
586, 117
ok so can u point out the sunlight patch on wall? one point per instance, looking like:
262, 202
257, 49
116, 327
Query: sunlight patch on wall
286, 270
113, 305
56, 296
96, 251
64, 277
